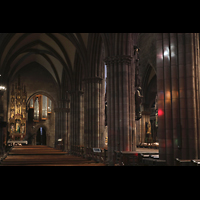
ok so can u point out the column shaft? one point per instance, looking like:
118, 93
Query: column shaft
93, 129
76, 118
178, 94
121, 104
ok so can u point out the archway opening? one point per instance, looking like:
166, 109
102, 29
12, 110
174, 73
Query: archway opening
41, 136
41, 114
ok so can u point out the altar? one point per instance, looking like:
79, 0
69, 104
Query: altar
17, 121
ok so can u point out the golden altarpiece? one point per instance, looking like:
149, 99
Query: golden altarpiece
17, 124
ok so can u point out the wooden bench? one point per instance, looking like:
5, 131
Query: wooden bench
100, 156
195, 162
133, 158
117, 158
128, 158
153, 162
88, 153
77, 150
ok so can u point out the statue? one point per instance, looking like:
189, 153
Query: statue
24, 114
12, 128
17, 127
138, 95
12, 114
138, 102
149, 128
148, 132
18, 109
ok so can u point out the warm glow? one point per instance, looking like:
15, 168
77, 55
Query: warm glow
2, 88
168, 95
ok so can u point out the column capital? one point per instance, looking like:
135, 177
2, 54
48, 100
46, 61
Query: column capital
118, 59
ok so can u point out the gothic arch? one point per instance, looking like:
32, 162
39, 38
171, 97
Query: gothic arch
35, 130
148, 78
38, 126
55, 103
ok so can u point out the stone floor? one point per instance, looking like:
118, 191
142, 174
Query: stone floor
43, 156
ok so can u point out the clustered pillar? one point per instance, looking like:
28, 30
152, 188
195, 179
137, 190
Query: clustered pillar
121, 104
94, 117
178, 96
62, 119
77, 118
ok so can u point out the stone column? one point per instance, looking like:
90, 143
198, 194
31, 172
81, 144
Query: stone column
66, 135
121, 105
93, 126
178, 95
57, 125
61, 122
76, 118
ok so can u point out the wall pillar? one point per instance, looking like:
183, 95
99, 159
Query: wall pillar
178, 95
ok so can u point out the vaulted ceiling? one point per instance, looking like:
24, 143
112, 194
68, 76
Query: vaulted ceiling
54, 51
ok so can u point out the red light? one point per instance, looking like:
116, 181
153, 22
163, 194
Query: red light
160, 112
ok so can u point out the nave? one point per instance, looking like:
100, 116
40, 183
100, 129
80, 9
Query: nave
40, 155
